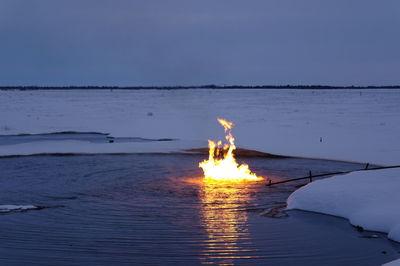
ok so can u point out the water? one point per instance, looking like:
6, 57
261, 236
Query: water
151, 209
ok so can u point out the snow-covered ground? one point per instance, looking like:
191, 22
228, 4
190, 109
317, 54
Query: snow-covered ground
348, 125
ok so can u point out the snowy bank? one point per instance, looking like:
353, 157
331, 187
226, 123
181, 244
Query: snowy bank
369, 199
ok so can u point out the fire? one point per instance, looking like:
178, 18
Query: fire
221, 164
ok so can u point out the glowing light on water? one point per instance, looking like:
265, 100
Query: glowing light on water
225, 222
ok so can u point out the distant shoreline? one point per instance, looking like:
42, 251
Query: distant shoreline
310, 87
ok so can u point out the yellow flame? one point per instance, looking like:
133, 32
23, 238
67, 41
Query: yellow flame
221, 164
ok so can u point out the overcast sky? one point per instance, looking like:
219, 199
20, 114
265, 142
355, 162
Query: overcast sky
169, 42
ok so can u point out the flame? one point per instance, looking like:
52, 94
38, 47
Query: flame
221, 164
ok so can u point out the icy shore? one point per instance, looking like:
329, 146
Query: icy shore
368, 199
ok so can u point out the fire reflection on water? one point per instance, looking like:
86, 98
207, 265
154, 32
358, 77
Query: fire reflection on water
225, 222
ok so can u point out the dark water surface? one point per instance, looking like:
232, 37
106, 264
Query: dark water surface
149, 209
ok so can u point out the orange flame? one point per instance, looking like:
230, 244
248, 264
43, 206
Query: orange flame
221, 164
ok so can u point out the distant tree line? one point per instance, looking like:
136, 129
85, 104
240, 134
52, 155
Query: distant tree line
210, 86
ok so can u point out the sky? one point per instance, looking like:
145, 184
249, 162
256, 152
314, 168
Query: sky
186, 42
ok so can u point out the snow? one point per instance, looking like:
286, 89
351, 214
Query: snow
13, 208
354, 125
392, 263
86, 147
369, 199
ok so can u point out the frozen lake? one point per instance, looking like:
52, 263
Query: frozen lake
155, 209
352, 125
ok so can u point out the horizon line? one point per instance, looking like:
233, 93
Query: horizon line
208, 86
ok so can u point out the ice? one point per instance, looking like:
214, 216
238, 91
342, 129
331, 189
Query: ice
86, 147
348, 125
369, 199
392, 263
14, 208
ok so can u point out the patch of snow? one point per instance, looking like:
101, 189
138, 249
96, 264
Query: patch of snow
369, 199
16, 208
392, 263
